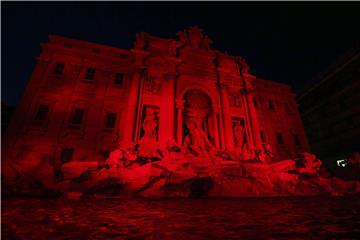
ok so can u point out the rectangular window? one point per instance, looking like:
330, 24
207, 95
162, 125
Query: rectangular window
59, 68
234, 100
296, 140
77, 116
254, 101
262, 136
119, 77
110, 120
41, 113
90, 73
271, 105
279, 138
66, 155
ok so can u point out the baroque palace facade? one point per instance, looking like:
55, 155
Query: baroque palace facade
85, 99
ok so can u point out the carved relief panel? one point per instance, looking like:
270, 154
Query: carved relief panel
153, 85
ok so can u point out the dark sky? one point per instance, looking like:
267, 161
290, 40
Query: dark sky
288, 42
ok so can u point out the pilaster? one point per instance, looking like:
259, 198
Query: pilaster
167, 109
216, 126
226, 117
180, 109
253, 122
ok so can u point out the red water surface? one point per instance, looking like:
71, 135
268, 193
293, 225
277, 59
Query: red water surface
246, 218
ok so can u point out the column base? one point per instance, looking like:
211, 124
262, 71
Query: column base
125, 145
148, 147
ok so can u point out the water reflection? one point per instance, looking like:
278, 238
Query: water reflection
258, 218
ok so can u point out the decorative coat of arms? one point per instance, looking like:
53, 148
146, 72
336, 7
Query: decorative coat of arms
194, 37
153, 85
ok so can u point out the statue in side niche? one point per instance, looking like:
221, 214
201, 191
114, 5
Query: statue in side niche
239, 134
150, 126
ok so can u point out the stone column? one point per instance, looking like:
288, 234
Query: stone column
167, 112
216, 129
179, 130
248, 130
130, 118
222, 138
226, 116
252, 119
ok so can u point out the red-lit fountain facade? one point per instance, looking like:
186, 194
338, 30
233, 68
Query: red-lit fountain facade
170, 117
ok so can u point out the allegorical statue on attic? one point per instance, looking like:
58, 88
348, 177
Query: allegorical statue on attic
139, 41
193, 37
243, 66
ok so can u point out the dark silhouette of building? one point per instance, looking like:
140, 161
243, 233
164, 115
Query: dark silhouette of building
331, 110
6, 113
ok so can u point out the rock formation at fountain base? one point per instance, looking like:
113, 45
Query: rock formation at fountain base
174, 173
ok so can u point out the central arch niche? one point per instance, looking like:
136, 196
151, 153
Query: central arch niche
198, 109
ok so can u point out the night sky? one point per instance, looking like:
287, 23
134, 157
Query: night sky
286, 42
